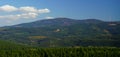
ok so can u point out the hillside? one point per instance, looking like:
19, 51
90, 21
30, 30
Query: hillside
64, 32
9, 45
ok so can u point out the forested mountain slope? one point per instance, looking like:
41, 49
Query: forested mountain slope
64, 32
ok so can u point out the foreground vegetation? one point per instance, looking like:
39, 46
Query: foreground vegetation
60, 52
11, 49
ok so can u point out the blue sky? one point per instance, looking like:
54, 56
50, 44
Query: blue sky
14, 11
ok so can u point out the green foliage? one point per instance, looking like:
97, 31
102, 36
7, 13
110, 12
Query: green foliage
61, 52
6, 45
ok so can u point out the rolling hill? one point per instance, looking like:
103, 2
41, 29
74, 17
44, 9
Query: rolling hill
64, 32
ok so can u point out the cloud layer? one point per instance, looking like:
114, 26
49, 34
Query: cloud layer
26, 12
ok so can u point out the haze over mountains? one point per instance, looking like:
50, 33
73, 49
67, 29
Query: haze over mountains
64, 32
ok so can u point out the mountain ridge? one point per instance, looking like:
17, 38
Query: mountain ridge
64, 33
62, 20
58, 21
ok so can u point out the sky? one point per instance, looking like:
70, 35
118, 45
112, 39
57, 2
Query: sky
22, 11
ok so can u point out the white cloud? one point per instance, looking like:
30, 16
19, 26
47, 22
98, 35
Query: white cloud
34, 10
8, 8
48, 17
28, 15
28, 9
25, 12
44, 10
20, 16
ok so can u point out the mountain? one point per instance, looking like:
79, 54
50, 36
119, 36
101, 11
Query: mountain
64, 32
57, 22
50, 22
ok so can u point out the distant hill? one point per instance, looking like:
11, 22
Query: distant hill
57, 22
64, 32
